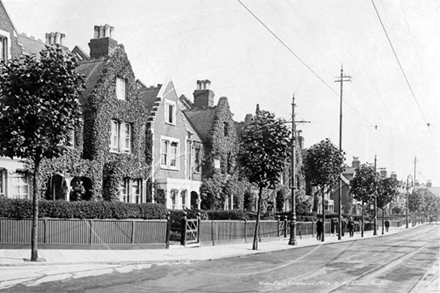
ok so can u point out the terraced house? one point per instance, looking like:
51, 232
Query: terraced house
217, 132
134, 143
176, 150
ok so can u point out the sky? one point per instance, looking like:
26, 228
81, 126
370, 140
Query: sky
266, 52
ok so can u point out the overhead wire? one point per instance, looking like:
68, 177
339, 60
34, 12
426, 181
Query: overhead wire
405, 76
314, 73
398, 61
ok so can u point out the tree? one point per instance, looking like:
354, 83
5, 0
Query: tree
263, 151
386, 190
415, 203
40, 107
322, 167
363, 187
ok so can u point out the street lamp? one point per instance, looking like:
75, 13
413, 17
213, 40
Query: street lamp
407, 198
292, 240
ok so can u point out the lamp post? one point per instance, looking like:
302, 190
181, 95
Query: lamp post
292, 240
407, 198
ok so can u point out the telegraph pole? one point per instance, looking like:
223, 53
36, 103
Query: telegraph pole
407, 198
375, 200
292, 240
342, 78
415, 163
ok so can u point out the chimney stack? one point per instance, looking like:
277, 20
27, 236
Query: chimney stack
102, 44
393, 175
203, 96
356, 163
429, 183
383, 172
55, 38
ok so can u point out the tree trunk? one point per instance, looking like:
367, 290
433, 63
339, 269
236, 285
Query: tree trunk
383, 221
323, 216
257, 224
362, 220
34, 235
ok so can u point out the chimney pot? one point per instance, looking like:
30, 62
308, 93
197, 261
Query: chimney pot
203, 96
96, 31
102, 44
57, 38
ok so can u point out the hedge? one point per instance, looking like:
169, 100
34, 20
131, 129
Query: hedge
22, 209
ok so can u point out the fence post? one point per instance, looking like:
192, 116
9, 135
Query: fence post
212, 233
167, 237
245, 231
278, 221
183, 231
133, 231
199, 221
92, 228
45, 231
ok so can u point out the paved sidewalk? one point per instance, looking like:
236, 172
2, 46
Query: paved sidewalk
19, 257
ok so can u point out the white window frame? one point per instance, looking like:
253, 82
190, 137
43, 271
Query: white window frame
173, 196
72, 139
2, 182
114, 136
121, 89
124, 190
136, 190
126, 137
170, 118
197, 159
169, 154
118, 137
6, 45
19, 185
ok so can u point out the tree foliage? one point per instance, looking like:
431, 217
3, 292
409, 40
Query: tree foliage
364, 183
415, 202
323, 165
386, 191
39, 102
264, 148
39, 98
263, 151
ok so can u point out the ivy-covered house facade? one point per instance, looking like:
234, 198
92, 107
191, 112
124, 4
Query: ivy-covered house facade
175, 147
107, 157
216, 129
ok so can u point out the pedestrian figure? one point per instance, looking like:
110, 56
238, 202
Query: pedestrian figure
350, 226
319, 228
343, 223
332, 227
387, 225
